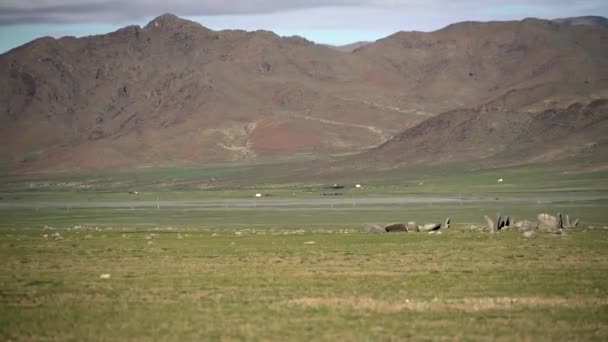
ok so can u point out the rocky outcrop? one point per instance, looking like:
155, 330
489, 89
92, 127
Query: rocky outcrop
545, 223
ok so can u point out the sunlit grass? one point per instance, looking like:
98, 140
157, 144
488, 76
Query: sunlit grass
268, 283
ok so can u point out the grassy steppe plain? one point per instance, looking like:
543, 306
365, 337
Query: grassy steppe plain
303, 273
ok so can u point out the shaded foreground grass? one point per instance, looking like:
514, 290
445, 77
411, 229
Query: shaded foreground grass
291, 284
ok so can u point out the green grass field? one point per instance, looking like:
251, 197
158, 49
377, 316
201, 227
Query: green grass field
286, 284
299, 272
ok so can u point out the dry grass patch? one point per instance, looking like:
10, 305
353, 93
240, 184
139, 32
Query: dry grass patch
447, 304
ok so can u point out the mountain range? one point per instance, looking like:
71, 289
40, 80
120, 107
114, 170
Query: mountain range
176, 93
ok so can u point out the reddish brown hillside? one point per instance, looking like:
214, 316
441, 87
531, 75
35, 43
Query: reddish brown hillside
175, 92
468, 63
504, 131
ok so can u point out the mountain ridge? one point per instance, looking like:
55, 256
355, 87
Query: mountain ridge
175, 91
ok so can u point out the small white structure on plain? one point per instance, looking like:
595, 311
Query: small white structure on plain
105, 276
358, 186
500, 180
258, 195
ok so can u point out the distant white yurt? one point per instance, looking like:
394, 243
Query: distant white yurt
358, 186
500, 180
258, 195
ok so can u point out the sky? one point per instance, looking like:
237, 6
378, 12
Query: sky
336, 22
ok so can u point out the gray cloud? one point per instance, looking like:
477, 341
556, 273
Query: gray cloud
64, 11
78, 11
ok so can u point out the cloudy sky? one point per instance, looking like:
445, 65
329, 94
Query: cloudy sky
330, 21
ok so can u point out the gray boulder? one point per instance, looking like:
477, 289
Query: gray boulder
395, 227
429, 227
548, 222
412, 226
526, 225
374, 228
528, 234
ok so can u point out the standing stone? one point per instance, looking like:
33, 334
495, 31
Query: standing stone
490, 223
507, 222
574, 224
568, 223
502, 222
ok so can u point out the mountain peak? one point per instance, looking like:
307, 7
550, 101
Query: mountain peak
170, 21
167, 16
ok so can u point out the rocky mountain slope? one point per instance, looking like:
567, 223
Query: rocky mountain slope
470, 63
506, 131
175, 92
